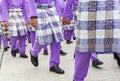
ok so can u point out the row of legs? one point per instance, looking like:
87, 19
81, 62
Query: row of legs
82, 61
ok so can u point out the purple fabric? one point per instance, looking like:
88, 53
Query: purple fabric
45, 47
28, 36
14, 4
22, 44
68, 34
58, 3
73, 33
94, 56
32, 37
17, 44
68, 9
5, 41
54, 48
81, 66
119, 55
55, 54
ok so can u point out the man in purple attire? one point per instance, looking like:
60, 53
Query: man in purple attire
48, 32
98, 30
14, 16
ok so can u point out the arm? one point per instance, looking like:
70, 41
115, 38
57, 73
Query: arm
4, 11
59, 4
25, 10
67, 13
32, 8
33, 13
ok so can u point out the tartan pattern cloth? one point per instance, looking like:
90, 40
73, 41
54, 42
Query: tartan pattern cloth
98, 26
49, 26
17, 23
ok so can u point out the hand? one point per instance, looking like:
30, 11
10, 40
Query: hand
34, 22
65, 21
4, 24
29, 23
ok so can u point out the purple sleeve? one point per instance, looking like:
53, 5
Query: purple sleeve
25, 10
59, 4
4, 10
32, 8
67, 13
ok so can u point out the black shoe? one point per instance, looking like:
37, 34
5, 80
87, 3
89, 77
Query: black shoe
115, 56
45, 52
34, 60
23, 56
29, 41
13, 53
62, 52
96, 63
69, 42
74, 56
17, 50
118, 62
74, 38
6, 49
57, 69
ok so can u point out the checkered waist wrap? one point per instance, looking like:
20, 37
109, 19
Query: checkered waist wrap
17, 23
98, 26
49, 26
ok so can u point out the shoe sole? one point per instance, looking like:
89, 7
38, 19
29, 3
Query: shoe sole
57, 72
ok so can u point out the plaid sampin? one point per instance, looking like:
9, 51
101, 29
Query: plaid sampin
17, 23
98, 26
49, 27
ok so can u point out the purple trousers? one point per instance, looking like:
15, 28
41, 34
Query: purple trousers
28, 36
94, 56
73, 34
68, 34
17, 44
54, 51
32, 39
82, 61
21, 46
5, 42
45, 47
119, 55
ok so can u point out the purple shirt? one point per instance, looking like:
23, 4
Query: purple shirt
58, 3
0, 12
68, 9
13, 4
